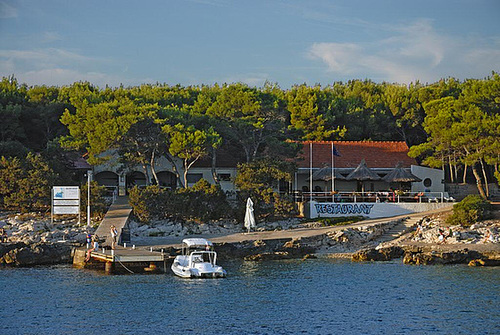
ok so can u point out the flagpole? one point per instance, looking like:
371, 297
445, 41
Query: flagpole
333, 175
310, 179
310, 171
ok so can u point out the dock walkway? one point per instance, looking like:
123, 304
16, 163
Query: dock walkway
117, 215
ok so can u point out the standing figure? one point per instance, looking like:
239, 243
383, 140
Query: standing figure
114, 236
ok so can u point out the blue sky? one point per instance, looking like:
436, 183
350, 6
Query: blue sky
194, 42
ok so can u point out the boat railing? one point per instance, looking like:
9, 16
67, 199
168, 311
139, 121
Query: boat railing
373, 196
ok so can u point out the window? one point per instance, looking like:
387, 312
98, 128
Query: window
194, 177
427, 182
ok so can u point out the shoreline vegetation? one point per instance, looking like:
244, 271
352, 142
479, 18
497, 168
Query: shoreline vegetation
426, 240
449, 124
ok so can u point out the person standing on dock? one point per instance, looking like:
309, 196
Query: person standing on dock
114, 236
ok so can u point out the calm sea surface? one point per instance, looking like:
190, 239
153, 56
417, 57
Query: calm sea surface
280, 297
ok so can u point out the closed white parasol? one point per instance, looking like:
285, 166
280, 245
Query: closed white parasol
249, 217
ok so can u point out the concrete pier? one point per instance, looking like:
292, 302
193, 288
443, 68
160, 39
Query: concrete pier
122, 260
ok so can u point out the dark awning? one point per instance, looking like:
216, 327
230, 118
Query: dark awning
400, 175
362, 173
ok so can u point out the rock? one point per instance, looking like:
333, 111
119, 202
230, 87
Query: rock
484, 262
365, 255
309, 256
372, 254
22, 254
268, 256
435, 257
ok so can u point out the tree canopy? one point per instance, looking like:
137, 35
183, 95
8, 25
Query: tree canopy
448, 124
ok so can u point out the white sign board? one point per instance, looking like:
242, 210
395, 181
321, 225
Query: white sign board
66, 192
65, 200
66, 209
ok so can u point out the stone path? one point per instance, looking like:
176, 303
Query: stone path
169, 241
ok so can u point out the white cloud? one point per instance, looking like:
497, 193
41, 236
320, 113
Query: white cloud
7, 11
414, 52
57, 67
41, 57
62, 77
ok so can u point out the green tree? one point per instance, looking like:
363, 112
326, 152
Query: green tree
190, 144
260, 180
25, 185
305, 115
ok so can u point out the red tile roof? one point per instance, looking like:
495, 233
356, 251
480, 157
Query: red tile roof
377, 154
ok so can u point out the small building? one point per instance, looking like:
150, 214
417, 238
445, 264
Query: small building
115, 175
381, 157
323, 167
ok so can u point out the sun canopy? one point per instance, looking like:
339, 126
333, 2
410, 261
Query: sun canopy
326, 174
400, 175
191, 242
362, 173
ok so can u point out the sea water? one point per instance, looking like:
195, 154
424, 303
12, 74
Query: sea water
322, 296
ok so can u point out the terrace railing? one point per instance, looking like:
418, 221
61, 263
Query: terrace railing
378, 196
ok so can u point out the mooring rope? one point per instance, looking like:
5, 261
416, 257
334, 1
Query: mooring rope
125, 267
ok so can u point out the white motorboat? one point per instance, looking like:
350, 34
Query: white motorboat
198, 260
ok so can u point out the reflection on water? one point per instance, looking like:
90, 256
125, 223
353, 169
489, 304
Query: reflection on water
321, 296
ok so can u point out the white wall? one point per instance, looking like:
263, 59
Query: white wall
369, 209
435, 176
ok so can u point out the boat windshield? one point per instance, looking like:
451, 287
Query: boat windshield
193, 248
203, 257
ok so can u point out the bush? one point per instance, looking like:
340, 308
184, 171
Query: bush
149, 202
471, 209
202, 202
25, 183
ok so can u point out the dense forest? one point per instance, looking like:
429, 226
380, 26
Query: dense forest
449, 124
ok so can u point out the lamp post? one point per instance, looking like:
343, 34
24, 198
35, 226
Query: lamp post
89, 179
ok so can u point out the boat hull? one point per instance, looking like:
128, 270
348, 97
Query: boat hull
202, 270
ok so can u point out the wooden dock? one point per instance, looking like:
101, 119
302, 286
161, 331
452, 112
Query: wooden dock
118, 216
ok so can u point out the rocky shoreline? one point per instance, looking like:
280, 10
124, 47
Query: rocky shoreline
34, 241
20, 254
429, 256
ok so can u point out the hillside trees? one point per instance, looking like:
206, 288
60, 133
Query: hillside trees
190, 144
25, 183
464, 129
449, 124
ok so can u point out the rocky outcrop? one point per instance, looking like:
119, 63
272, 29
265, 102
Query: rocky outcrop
484, 262
264, 250
418, 256
22, 254
372, 254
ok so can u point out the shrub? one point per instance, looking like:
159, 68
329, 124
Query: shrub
259, 180
201, 202
471, 209
149, 202
25, 184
